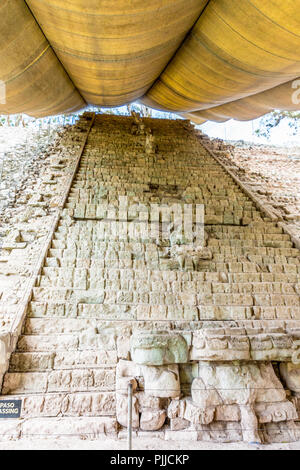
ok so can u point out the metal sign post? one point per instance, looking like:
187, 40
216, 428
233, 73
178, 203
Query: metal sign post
130, 416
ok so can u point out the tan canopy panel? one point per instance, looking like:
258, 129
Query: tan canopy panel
193, 117
286, 97
32, 80
205, 59
236, 49
114, 50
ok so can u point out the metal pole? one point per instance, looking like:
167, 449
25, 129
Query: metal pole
130, 416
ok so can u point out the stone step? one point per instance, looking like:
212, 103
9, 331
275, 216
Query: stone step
211, 201
212, 204
221, 263
257, 251
68, 428
44, 361
193, 158
104, 175
74, 237
261, 255
243, 233
204, 186
53, 404
267, 231
73, 380
262, 229
86, 297
172, 276
147, 172
159, 312
79, 326
233, 216
89, 164
125, 311
217, 344
169, 293
68, 278
49, 343
71, 325
226, 255
95, 249
73, 341
217, 243
246, 235
143, 171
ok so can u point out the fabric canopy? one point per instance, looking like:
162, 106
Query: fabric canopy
203, 59
33, 79
286, 97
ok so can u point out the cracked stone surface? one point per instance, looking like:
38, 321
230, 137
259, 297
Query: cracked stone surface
208, 336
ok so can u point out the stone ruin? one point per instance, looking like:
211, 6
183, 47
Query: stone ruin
208, 336
139, 128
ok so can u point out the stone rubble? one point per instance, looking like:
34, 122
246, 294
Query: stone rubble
23, 154
271, 173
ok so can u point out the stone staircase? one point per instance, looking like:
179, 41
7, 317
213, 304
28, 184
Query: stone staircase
236, 300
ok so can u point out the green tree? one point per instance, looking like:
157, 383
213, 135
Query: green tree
272, 120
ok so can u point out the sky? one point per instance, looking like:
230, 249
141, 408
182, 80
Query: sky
237, 130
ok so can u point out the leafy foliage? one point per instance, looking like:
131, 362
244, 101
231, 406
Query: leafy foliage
272, 120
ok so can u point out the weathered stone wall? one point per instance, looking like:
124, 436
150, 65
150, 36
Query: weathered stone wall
24, 151
28, 220
207, 335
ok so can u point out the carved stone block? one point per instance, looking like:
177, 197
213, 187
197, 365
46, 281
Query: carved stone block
156, 349
291, 375
162, 381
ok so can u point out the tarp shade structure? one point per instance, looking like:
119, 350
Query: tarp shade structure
32, 80
203, 59
286, 97
237, 48
114, 50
